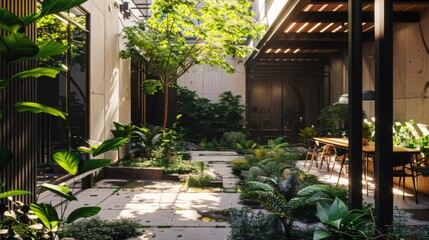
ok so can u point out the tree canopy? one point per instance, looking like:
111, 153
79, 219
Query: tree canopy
182, 33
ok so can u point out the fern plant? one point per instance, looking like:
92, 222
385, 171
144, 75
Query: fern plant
274, 196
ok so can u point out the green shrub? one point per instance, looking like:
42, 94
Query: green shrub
201, 180
248, 224
98, 229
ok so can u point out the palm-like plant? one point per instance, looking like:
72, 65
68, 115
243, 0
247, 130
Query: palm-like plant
149, 138
274, 196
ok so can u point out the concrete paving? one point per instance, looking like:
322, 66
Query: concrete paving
167, 209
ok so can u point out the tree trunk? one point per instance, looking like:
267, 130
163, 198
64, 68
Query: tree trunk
165, 106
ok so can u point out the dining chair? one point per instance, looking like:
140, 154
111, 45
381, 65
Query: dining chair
327, 152
342, 159
418, 164
312, 151
403, 167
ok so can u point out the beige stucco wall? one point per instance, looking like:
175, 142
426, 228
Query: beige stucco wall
209, 81
109, 75
410, 72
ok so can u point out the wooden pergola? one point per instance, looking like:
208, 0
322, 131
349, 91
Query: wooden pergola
319, 30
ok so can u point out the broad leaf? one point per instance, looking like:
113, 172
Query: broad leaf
83, 212
6, 157
46, 213
4, 84
85, 149
60, 190
56, 6
47, 49
39, 72
110, 144
68, 161
39, 108
30, 18
91, 164
321, 234
13, 193
10, 22
17, 45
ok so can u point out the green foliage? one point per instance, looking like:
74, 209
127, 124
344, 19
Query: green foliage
200, 180
340, 223
247, 224
39, 108
304, 204
276, 144
98, 229
180, 34
307, 133
333, 120
274, 195
16, 46
202, 119
233, 138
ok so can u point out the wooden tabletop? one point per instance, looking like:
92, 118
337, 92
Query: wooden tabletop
370, 148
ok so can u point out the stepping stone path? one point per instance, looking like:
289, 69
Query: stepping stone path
167, 209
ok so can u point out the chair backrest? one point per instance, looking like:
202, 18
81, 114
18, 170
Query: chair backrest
340, 151
328, 149
401, 159
311, 143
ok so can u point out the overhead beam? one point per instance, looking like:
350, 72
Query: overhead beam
301, 55
326, 36
327, 17
294, 44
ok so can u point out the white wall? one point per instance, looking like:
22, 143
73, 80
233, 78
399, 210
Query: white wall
109, 75
209, 81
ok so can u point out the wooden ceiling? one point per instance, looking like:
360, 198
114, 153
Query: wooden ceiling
319, 31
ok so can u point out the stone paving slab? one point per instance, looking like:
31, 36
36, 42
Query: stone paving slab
207, 201
185, 234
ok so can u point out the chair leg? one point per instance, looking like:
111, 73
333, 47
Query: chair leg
414, 186
341, 170
313, 158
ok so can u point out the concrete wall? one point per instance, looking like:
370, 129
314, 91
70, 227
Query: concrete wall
109, 75
209, 81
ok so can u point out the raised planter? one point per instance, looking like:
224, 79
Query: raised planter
133, 173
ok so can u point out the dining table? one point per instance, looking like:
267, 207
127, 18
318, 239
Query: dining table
368, 148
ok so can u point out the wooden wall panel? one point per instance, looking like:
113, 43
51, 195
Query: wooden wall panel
19, 131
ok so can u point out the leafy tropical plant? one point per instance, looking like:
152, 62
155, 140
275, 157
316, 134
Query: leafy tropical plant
304, 204
274, 196
250, 224
180, 34
16, 46
276, 144
307, 133
340, 223
333, 120
41, 220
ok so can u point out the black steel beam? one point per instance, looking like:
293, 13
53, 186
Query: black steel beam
315, 17
383, 112
355, 104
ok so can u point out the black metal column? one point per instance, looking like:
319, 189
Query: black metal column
383, 111
355, 103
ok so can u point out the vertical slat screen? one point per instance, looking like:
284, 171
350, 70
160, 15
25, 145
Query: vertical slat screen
19, 131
